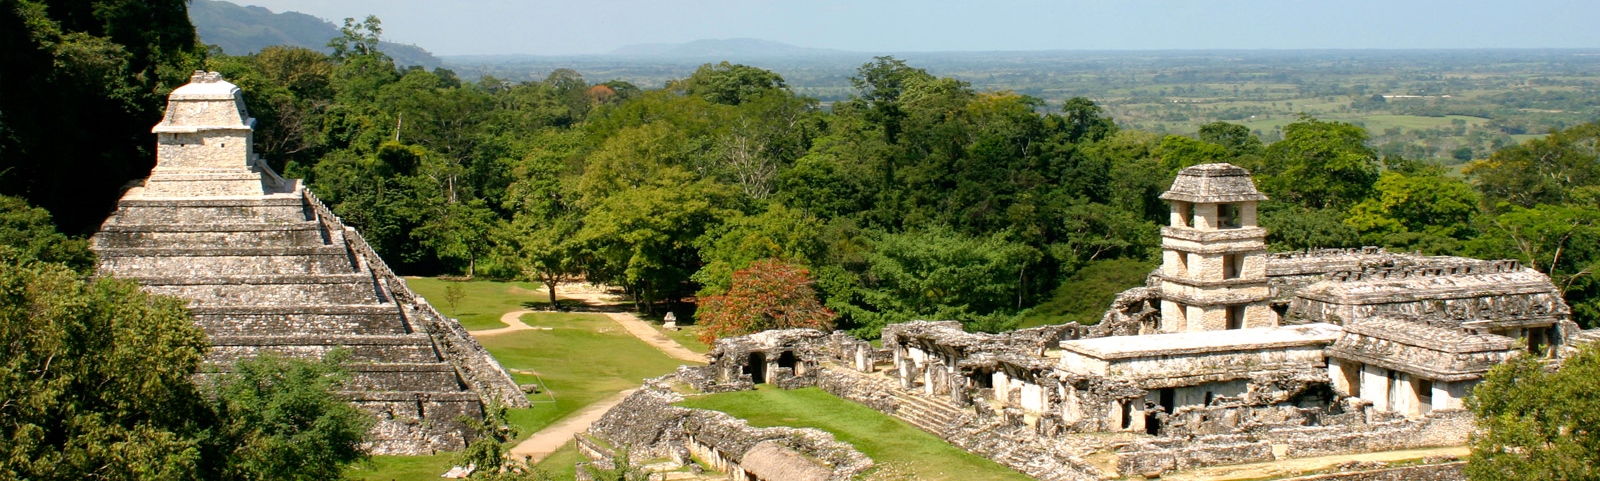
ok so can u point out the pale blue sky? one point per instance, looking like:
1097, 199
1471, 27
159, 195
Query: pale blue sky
459, 27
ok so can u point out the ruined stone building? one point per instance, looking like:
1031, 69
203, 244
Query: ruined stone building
267, 268
1228, 355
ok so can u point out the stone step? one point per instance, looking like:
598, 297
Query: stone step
347, 289
308, 261
369, 320
417, 422
306, 233
432, 377
939, 406
280, 209
413, 348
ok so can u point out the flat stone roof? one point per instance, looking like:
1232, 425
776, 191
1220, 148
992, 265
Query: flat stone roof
1126, 347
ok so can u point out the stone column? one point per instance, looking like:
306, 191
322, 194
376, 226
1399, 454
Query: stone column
1375, 386
1336, 373
1405, 395
1002, 387
1449, 395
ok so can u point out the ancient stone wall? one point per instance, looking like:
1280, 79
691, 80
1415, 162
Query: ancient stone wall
650, 427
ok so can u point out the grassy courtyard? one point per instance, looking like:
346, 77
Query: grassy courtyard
583, 358
885, 439
482, 302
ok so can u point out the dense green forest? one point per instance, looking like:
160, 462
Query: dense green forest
916, 196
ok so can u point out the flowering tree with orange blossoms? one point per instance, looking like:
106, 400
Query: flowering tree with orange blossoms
770, 294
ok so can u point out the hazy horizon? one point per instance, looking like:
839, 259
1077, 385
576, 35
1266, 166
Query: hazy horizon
510, 27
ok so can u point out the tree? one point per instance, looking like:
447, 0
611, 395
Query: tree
284, 419
1295, 227
29, 231
1423, 210
779, 233
1178, 152
770, 294
1535, 423
1560, 241
1320, 164
1541, 171
83, 82
937, 274
543, 250
96, 380
731, 84
1234, 137
1086, 122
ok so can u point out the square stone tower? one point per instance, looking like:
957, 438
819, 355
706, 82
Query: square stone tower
1214, 270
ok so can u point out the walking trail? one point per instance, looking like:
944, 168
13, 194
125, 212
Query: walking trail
513, 322
551, 438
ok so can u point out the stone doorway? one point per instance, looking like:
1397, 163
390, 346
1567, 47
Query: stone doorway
756, 367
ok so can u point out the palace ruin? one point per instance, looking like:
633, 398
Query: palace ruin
268, 268
1228, 355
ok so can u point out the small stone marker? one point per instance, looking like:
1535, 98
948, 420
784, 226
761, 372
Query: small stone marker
670, 322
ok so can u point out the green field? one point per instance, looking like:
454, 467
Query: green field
583, 358
884, 439
482, 302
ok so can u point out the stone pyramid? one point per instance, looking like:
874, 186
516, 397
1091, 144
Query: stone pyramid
268, 268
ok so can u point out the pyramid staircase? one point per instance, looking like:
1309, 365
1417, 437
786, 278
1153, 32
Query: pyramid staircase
280, 273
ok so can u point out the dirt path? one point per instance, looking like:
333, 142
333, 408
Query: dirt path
513, 321
638, 327
1286, 467
551, 438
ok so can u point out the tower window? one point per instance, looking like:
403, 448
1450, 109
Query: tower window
1185, 214
1235, 317
1228, 216
1231, 265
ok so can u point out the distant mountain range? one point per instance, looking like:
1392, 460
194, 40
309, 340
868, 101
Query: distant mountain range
731, 48
242, 30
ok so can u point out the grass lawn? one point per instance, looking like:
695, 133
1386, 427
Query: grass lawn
562, 464
582, 359
482, 302
400, 468
885, 439
688, 336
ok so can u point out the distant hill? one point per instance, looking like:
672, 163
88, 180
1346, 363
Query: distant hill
732, 48
248, 29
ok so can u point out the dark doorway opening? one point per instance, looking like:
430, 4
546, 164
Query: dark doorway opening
787, 361
756, 367
1127, 414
